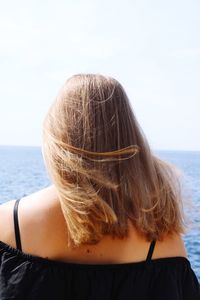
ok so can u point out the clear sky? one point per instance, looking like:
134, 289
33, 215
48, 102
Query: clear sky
151, 47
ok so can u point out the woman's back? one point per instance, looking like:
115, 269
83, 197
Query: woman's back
43, 232
113, 269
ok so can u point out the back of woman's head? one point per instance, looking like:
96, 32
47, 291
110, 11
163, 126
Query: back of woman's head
102, 166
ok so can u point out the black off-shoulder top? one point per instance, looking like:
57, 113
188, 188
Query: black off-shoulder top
25, 276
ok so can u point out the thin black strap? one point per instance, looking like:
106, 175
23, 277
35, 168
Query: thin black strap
16, 225
150, 252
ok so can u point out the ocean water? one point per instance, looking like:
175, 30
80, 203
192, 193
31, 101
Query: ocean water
22, 172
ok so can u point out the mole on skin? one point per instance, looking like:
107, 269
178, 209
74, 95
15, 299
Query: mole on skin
89, 251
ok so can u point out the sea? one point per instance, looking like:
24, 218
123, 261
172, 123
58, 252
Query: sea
22, 172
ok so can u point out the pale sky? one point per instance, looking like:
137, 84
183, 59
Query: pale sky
151, 47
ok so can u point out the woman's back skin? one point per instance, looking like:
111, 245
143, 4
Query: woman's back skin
43, 233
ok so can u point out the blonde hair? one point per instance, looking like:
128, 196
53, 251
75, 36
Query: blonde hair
102, 167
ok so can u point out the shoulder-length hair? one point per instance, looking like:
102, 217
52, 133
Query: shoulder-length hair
102, 167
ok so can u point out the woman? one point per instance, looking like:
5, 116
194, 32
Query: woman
110, 225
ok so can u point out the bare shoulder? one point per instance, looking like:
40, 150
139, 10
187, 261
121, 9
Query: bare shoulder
34, 211
6, 220
172, 245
